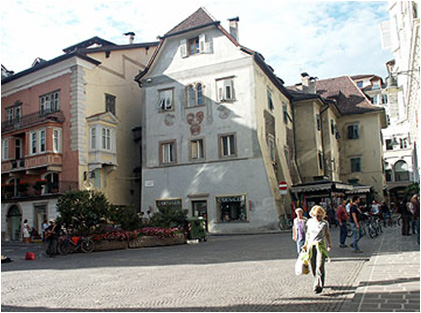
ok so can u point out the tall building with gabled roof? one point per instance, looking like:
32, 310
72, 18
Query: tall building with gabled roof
217, 129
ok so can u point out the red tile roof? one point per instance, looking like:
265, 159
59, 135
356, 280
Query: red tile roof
197, 19
349, 98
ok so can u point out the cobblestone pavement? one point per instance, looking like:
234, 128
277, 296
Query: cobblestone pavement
226, 273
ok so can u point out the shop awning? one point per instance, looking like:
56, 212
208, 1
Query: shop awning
359, 189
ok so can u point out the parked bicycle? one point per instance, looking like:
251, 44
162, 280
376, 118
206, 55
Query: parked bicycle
394, 220
285, 221
71, 244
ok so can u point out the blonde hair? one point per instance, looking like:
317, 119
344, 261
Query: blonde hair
317, 210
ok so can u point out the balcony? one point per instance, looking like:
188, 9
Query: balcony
39, 161
12, 193
32, 119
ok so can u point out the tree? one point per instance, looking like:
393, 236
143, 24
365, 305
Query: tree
83, 210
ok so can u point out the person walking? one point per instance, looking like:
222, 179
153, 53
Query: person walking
52, 233
406, 216
26, 234
342, 216
354, 222
384, 210
316, 236
299, 229
415, 201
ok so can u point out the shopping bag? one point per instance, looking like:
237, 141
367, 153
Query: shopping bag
29, 256
301, 265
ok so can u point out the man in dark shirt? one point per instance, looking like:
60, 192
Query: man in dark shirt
354, 222
52, 233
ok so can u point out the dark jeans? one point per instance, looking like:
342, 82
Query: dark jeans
405, 225
343, 232
52, 246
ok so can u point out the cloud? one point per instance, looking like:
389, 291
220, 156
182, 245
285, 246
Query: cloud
325, 39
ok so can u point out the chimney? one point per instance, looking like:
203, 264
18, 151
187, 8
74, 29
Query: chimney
131, 36
234, 27
308, 83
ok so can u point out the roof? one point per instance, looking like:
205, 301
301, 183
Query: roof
198, 19
201, 18
87, 43
349, 98
80, 50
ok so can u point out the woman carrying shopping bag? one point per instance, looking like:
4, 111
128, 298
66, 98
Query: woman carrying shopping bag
316, 236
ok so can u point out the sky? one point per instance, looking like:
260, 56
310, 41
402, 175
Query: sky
324, 39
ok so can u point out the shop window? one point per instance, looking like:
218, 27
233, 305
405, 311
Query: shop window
231, 208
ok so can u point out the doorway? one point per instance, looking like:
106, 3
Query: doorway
14, 220
200, 209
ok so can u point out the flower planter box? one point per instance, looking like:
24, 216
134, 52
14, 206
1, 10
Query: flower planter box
139, 242
151, 241
106, 245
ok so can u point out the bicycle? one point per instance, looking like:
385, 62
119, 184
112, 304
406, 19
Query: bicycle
285, 221
71, 244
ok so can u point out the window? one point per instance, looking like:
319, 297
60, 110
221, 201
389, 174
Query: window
271, 143
50, 102
194, 95
197, 149
403, 143
106, 138
52, 183
193, 46
319, 122
401, 171
227, 145
42, 138
231, 208
389, 144
56, 140
355, 165
33, 143
332, 127
225, 89
320, 159
384, 99
93, 138
360, 84
167, 152
353, 132
110, 103
6, 149
97, 178
18, 148
375, 100
270, 101
388, 174
285, 113
166, 98
14, 114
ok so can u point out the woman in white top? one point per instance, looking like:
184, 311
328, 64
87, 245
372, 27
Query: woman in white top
26, 235
316, 236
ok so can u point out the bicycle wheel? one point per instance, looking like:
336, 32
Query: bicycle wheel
63, 247
87, 245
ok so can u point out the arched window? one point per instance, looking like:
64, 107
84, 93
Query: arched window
194, 95
199, 94
401, 171
191, 96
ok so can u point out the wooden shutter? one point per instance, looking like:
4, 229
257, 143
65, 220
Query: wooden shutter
183, 48
202, 43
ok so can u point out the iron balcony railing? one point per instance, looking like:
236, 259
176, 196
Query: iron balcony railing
32, 119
